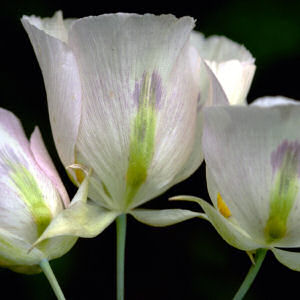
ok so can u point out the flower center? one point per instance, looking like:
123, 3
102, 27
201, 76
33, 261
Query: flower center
147, 95
285, 162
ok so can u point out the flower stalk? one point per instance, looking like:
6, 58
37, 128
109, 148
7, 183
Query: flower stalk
259, 258
45, 266
121, 239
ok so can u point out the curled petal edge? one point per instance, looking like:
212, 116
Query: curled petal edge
230, 232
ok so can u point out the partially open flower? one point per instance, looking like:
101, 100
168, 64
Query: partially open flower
31, 196
253, 175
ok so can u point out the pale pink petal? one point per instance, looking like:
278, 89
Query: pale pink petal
62, 83
19, 169
43, 159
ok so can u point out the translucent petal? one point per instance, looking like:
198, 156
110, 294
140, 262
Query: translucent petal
164, 217
43, 159
55, 26
211, 94
274, 101
219, 48
287, 258
235, 78
61, 79
56, 247
14, 251
232, 64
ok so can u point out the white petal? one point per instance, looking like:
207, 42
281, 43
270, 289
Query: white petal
287, 258
54, 26
231, 233
211, 94
212, 187
62, 84
196, 156
114, 52
164, 217
232, 64
235, 78
175, 134
274, 101
219, 48
14, 251
25, 189
238, 143
56, 247
43, 159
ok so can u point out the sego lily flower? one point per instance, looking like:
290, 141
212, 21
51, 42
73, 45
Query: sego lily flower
31, 197
253, 176
122, 94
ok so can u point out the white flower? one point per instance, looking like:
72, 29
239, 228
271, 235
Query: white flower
31, 196
123, 92
252, 156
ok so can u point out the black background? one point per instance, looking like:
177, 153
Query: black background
185, 261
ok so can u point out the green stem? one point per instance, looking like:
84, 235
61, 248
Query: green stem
259, 258
45, 266
121, 238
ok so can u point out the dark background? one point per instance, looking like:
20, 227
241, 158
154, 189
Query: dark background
185, 261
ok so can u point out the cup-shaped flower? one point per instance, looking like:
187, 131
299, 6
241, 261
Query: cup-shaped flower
125, 93
252, 156
122, 94
232, 64
31, 196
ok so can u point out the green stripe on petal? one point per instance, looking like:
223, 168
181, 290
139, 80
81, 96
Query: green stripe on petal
285, 161
31, 194
142, 137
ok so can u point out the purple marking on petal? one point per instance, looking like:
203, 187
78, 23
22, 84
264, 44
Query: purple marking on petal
137, 90
156, 87
148, 89
136, 93
199, 103
286, 150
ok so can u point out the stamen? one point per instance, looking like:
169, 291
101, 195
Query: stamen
80, 171
222, 207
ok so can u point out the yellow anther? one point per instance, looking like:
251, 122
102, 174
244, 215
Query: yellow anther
80, 172
222, 207
79, 175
